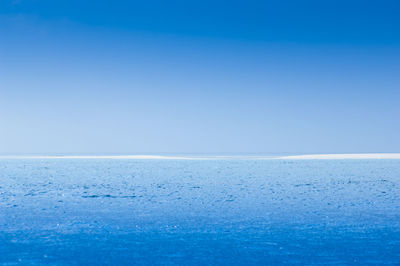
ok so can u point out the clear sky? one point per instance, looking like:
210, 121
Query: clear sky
204, 76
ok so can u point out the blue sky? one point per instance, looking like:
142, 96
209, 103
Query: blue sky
199, 76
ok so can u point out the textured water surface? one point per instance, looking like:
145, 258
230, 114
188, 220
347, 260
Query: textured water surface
105, 211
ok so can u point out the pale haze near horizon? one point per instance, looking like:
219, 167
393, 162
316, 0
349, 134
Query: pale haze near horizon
103, 83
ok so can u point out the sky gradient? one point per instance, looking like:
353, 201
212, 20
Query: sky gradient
135, 77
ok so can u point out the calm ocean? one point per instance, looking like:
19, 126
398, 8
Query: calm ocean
199, 212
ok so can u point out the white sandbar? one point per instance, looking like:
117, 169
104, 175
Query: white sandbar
343, 156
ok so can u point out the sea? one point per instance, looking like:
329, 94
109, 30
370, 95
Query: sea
215, 211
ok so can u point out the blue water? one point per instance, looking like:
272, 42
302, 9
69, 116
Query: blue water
198, 212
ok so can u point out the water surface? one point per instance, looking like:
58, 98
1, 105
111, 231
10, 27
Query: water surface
220, 211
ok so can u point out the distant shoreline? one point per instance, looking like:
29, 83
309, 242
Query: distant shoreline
171, 157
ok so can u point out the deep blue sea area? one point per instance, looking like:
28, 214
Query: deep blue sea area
199, 212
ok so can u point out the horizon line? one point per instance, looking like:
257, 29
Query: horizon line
215, 157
